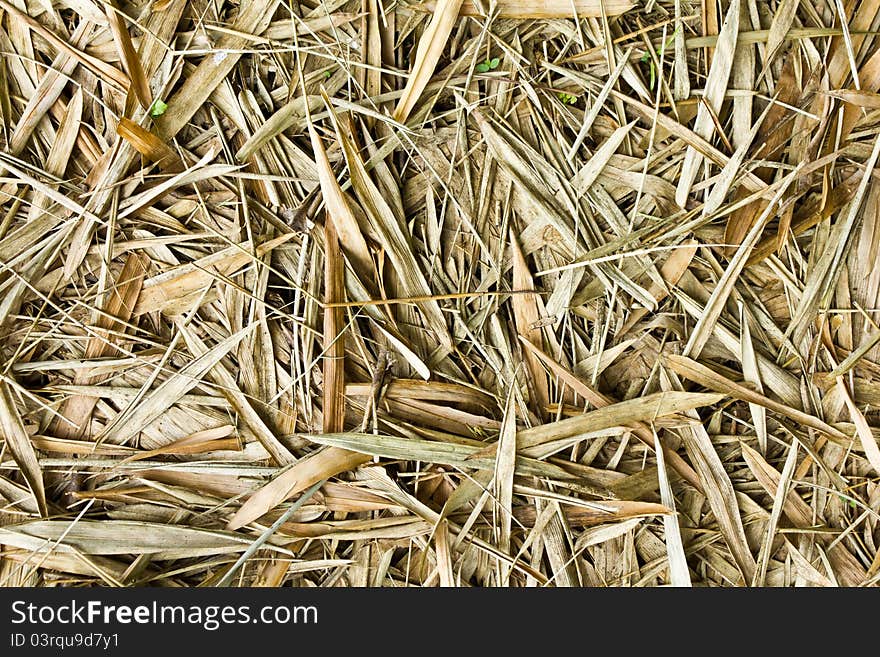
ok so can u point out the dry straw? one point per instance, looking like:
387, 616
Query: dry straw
453, 293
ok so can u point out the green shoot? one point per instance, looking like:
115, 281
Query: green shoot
488, 65
158, 108
647, 59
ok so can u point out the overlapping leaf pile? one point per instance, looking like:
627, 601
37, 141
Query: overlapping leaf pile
363, 293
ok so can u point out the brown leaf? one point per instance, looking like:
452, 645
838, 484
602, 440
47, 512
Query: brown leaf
127, 54
321, 465
428, 53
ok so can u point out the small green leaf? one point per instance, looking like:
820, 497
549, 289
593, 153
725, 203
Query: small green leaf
483, 68
158, 108
568, 99
493, 63
326, 74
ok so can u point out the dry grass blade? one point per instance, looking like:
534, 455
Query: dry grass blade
863, 429
536, 9
20, 446
130, 422
430, 49
121, 537
718, 489
322, 465
678, 568
799, 513
713, 96
701, 374
128, 55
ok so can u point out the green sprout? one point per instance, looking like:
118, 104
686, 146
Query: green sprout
647, 59
327, 75
488, 65
568, 99
158, 108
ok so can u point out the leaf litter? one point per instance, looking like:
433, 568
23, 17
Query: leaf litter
446, 293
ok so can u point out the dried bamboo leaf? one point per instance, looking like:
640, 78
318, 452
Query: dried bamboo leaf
599, 513
65, 140
101, 69
600, 535
339, 212
486, 256
775, 514
333, 402
131, 63
306, 472
799, 513
679, 574
718, 489
753, 375
393, 239
782, 21
105, 537
239, 402
600, 401
642, 409
505, 466
536, 9
117, 310
150, 146
131, 421
863, 429
464, 456
822, 275
20, 446
428, 53
701, 374
716, 86
867, 99
716, 302
253, 18
527, 319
